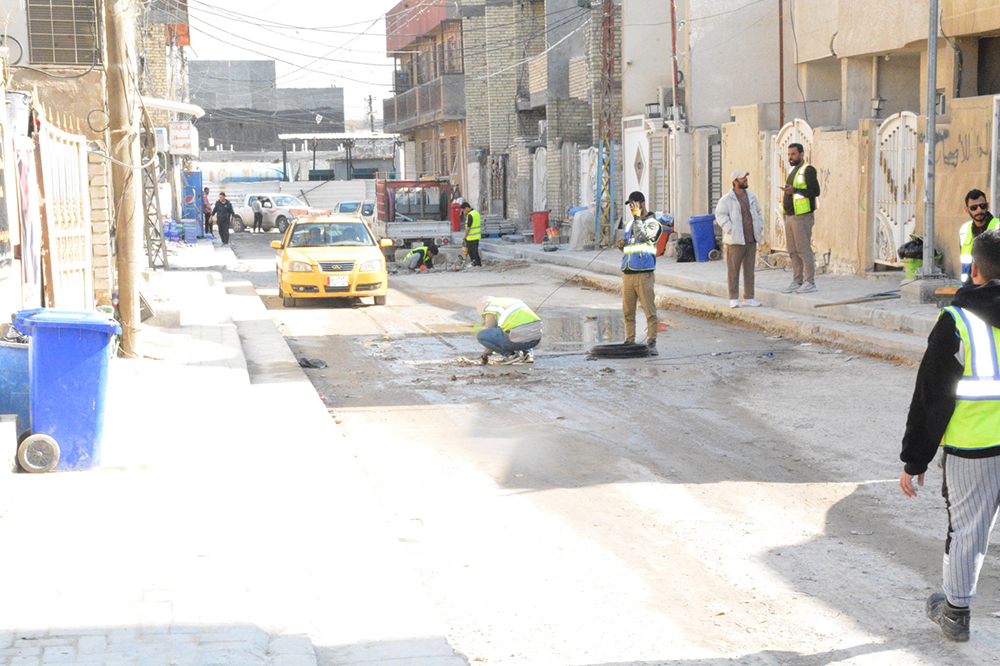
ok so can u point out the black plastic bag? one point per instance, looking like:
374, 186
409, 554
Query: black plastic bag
913, 249
685, 250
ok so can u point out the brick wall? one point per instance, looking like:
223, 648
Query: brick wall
579, 78
157, 75
99, 178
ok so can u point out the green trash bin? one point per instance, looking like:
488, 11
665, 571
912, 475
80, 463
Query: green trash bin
910, 267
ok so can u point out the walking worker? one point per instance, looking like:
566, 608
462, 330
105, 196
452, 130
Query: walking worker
223, 213
258, 214
738, 214
956, 406
638, 268
206, 209
421, 257
473, 232
980, 220
799, 203
509, 328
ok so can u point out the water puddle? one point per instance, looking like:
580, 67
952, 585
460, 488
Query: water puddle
580, 332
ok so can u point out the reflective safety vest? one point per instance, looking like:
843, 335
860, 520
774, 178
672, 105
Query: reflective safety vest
800, 202
975, 424
510, 313
423, 249
475, 225
638, 256
965, 238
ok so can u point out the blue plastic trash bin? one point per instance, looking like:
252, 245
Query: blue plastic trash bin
69, 353
703, 235
15, 394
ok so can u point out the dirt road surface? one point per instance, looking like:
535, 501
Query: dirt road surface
733, 501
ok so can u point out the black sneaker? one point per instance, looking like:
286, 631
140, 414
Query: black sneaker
652, 347
954, 621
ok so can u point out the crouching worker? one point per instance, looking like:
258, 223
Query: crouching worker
509, 328
421, 257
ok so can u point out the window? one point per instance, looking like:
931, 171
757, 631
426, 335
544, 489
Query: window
454, 152
444, 167
63, 32
425, 156
452, 61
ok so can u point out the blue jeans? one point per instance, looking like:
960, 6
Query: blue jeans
496, 340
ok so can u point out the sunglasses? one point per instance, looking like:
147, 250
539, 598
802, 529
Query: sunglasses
981, 206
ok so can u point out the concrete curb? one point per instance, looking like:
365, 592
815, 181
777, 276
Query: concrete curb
855, 313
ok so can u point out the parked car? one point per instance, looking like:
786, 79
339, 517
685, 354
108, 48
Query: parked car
365, 209
330, 256
278, 210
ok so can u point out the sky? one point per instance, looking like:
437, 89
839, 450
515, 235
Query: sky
315, 43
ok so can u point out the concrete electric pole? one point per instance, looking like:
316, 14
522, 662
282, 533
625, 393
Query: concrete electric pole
126, 178
929, 269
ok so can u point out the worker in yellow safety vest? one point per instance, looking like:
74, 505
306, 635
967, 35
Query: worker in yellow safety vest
956, 408
473, 232
510, 328
799, 203
980, 220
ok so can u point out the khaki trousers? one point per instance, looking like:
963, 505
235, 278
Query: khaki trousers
798, 238
745, 257
638, 287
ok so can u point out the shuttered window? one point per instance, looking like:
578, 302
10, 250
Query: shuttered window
63, 32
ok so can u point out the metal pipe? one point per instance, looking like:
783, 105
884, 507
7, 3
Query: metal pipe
781, 63
673, 34
928, 269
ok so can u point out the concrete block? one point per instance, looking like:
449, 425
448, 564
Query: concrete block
922, 291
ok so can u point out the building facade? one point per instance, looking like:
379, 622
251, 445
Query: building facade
427, 108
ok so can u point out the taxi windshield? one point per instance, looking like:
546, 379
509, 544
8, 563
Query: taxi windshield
328, 234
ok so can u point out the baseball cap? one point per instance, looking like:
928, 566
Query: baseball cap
739, 174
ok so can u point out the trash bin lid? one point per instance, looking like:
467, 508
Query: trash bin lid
28, 320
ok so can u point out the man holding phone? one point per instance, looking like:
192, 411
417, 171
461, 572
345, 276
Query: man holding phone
638, 267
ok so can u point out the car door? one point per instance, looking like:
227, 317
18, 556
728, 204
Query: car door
268, 210
280, 259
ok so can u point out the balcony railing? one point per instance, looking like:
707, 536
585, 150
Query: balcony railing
441, 99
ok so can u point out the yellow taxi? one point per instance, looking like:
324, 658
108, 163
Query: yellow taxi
330, 256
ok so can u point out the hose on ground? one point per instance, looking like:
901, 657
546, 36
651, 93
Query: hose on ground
619, 350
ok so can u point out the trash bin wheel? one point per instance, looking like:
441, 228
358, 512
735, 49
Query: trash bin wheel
38, 453
714, 255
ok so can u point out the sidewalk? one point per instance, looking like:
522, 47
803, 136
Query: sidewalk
892, 328
225, 525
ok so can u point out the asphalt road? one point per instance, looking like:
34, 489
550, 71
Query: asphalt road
733, 501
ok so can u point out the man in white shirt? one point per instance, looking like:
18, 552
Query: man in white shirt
738, 214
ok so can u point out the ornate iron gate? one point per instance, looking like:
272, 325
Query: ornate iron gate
66, 196
714, 171
797, 131
895, 176
498, 185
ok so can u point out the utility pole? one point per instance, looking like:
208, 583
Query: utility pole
781, 63
126, 176
605, 184
371, 113
929, 269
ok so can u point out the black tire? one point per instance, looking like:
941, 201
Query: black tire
282, 223
38, 453
288, 301
238, 225
623, 350
380, 300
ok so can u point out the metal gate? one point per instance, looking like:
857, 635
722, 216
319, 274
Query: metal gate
895, 176
797, 131
66, 218
540, 181
661, 161
498, 185
714, 171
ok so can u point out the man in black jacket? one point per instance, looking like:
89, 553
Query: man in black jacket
956, 407
223, 213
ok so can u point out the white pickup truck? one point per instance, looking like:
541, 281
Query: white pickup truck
278, 210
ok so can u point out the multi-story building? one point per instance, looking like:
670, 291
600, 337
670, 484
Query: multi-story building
246, 111
427, 108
